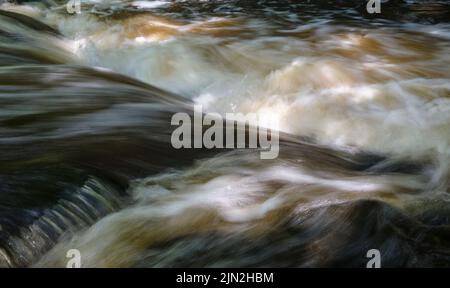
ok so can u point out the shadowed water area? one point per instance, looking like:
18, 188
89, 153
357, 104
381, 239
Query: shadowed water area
361, 101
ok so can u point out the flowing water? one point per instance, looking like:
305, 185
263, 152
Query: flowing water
362, 102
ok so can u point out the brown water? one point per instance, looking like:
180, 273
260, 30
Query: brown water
362, 101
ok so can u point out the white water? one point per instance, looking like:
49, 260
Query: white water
383, 90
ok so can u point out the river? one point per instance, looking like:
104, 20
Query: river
361, 101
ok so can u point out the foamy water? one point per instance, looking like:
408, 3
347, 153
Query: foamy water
383, 89
352, 85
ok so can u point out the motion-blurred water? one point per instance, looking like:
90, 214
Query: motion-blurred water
86, 162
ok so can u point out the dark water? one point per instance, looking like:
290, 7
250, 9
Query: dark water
86, 161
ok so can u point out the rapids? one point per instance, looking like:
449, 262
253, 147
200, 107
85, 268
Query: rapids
362, 103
